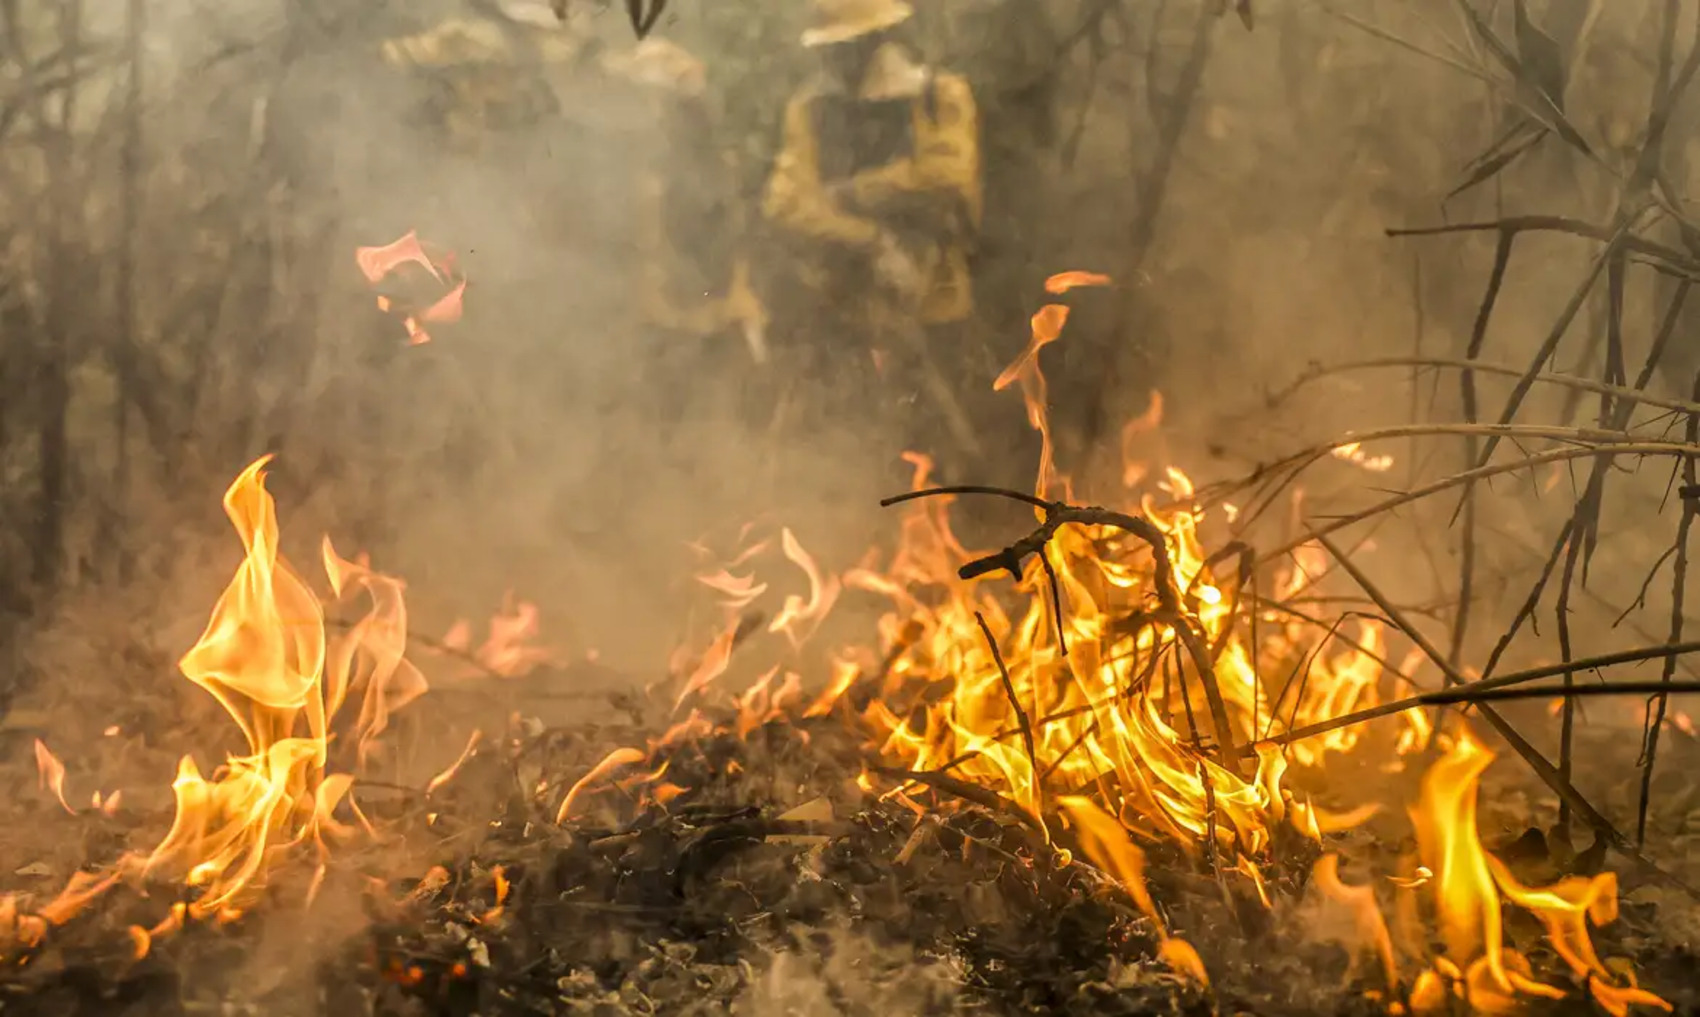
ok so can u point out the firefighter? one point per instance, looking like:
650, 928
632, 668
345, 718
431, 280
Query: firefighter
495, 72
876, 192
694, 280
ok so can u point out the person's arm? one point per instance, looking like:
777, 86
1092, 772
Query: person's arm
796, 198
947, 161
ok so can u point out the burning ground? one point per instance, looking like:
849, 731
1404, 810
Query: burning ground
1129, 762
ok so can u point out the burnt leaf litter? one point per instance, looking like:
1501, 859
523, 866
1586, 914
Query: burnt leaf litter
773, 885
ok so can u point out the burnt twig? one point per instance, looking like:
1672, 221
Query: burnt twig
1014, 703
1058, 514
1560, 785
1679, 585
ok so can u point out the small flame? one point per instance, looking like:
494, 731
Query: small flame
1359, 901
1352, 452
798, 618
1062, 282
613, 761
52, 773
1467, 886
449, 774
511, 648
377, 263
1133, 465
1107, 845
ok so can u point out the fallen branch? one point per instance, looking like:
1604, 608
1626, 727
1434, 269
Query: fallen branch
1057, 514
1549, 774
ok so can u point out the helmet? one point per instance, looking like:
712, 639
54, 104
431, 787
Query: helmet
657, 63
535, 13
839, 21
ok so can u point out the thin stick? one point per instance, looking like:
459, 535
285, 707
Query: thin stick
1058, 514
1422, 699
1079, 740
1567, 721
1467, 695
1531, 602
1557, 782
1669, 258
1617, 392
1015, 704
1679, 585
1338, 523
1559, 327
1056, 601
1467, 387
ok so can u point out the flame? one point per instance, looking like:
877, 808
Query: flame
1101, 721
1352, 452
453, 768
616, 760
1062, 282
1047, 325
799, 618
52, 774
1123, 711
1107, 845
1133, 465
377, 263
265, 656
1467, 886
511, 648
1370, 926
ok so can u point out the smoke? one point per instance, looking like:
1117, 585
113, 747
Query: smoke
844, 970
552, 444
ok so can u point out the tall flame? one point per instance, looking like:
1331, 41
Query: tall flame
266, 657
1467, 887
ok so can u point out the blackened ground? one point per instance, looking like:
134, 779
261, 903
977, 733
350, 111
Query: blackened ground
772, 887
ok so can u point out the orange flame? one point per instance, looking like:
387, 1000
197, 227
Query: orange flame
511, 648
52, 774
376, 264
1467, 886
799, 618
265, 657
1360, 902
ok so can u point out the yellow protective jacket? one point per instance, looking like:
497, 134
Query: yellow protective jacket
493, 76
941, 166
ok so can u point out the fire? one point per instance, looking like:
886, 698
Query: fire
1352, 452
1112, 691
1467, 887
267, 657
511, 649
377, 264
1102, 696
52, 773
1088, 698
